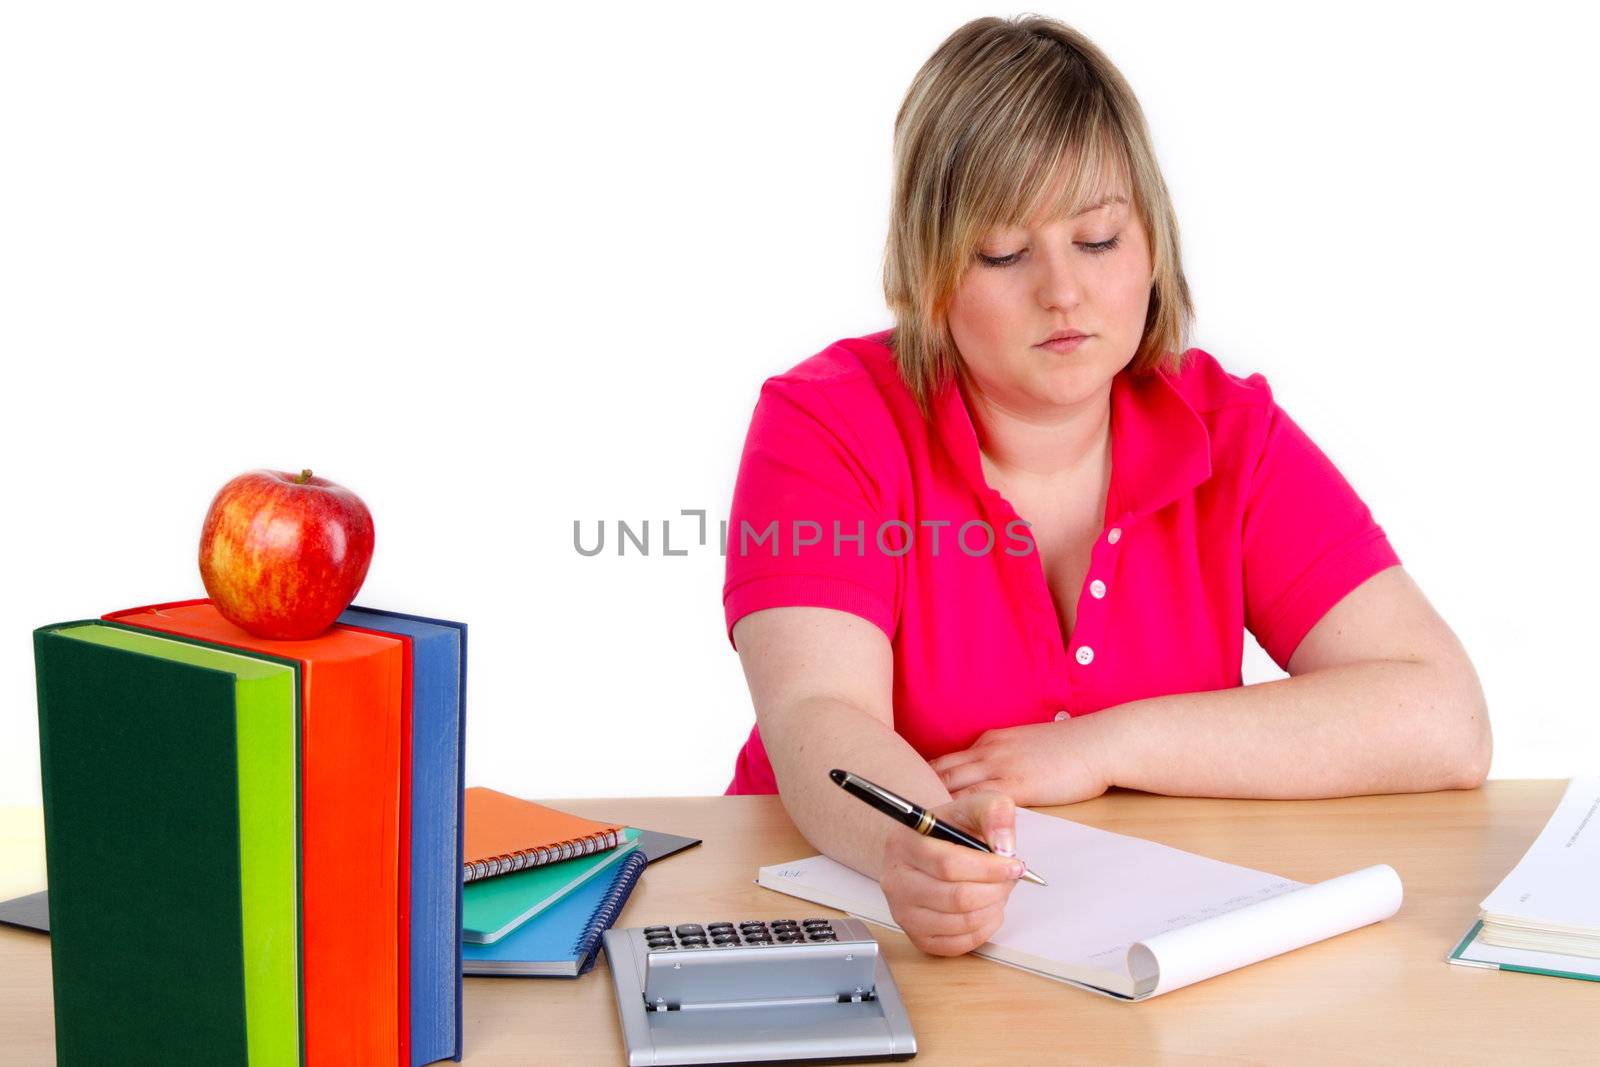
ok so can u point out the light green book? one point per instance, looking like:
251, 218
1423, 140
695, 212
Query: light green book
493, 907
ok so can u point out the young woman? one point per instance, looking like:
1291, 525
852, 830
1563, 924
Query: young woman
1006, 551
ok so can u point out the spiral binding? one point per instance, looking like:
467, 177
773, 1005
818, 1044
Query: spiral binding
606, 913
538, 857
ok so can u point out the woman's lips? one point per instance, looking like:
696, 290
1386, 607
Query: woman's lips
1066, 344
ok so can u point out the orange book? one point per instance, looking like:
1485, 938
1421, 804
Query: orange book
502, 833
352, 737
403, 877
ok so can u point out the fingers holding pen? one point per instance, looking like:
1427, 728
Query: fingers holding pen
947, 872
949, 899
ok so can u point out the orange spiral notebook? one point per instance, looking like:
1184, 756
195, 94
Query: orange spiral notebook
502, 834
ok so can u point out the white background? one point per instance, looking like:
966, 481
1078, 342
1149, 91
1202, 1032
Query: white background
498, 268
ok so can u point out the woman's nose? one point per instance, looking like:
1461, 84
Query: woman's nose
1058, 283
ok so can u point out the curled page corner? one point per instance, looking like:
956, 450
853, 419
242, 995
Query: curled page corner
1259, 931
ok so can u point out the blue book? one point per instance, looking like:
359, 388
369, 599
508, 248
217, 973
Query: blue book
563, 940
438, 725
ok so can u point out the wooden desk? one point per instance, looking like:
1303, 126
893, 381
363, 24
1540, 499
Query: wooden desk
1382, 993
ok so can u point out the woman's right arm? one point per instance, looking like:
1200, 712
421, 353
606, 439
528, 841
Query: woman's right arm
822, 684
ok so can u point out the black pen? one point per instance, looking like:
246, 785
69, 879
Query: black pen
915, 816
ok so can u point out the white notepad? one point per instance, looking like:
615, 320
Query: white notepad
1126, 917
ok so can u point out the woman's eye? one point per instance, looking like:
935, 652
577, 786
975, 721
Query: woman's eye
1094, 248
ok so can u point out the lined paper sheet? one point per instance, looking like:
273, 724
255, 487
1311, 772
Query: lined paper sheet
1127, 917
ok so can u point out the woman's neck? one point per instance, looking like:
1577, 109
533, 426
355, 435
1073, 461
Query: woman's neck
1069, 443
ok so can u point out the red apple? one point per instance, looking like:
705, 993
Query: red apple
281, 555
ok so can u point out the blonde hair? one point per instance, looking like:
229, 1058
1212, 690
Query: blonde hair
988, 124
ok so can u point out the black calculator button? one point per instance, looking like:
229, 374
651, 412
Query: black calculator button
690, 930
692, 942
758, 939
824, 935
656, 931
724, 939
785, 939
720, 928
660, 942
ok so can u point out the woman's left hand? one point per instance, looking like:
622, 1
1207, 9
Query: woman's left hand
1036, 765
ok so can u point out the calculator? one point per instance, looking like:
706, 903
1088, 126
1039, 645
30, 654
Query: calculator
756, 990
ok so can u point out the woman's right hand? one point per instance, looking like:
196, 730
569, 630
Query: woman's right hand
947, 898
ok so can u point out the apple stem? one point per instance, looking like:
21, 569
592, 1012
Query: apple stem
305, 476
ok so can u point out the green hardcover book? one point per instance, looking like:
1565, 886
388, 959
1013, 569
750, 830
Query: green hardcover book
1471, 951
171, 794
493, 907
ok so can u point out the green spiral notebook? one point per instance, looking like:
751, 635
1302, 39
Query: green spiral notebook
563, 940
493, 907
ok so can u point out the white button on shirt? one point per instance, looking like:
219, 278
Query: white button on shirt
1115, 535
1063, 716
1085, 655
1097, 589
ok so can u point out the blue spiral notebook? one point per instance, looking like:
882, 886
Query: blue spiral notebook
563, 940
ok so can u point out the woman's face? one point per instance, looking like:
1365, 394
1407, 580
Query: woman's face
1091, 273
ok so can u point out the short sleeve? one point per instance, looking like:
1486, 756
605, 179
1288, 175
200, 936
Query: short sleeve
808, 512
1309, 540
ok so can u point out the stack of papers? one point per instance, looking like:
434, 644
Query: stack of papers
1544, 917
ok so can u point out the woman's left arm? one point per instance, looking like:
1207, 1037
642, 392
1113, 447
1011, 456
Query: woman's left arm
1381, 698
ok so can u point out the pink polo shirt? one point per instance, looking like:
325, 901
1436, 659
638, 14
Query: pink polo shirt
1222, 515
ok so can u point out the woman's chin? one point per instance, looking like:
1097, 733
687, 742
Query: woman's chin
1069, 389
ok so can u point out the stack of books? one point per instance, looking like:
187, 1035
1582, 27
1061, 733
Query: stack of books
253, 846
542, 886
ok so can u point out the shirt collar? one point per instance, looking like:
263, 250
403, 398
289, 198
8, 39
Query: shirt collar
1160, 448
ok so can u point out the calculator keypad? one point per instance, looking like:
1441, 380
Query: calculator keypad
751, 932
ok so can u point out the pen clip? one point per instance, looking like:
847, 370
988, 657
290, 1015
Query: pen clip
898, 802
